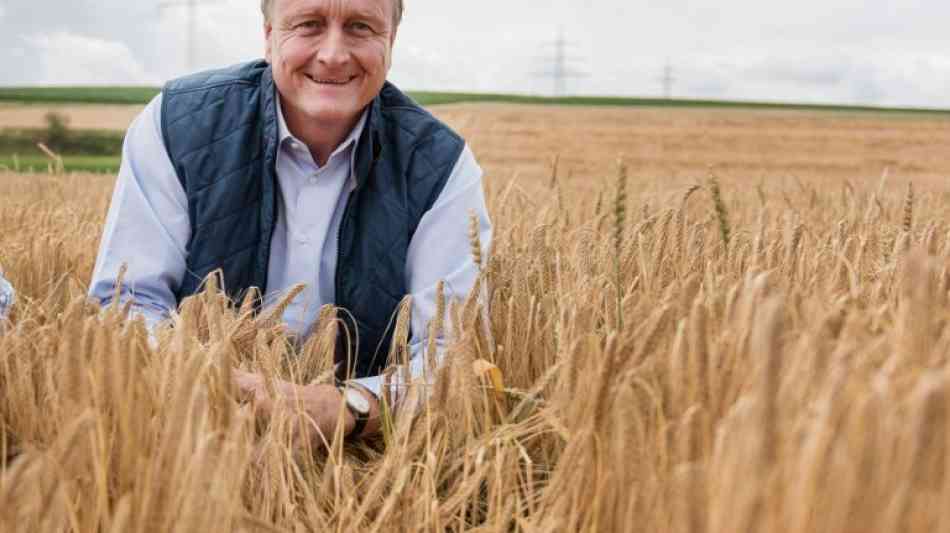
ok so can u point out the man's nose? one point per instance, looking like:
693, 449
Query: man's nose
333, 50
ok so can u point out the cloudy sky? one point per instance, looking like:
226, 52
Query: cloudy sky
883, 52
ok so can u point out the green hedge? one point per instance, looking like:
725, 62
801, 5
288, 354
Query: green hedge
81, 95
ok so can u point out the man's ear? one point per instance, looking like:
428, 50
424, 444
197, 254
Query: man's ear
268, 28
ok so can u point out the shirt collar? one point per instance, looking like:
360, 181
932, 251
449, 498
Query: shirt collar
284, 133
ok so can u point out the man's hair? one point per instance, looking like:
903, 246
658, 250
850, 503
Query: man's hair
266, 6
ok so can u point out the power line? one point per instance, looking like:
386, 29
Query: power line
560, 70
192, 6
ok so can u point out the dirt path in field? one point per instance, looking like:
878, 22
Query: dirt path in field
657, 143
106, 117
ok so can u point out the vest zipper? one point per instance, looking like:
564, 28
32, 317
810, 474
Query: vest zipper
346, 217
338, 288
339, 256
339, 250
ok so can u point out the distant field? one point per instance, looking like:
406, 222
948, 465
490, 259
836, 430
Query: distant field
142, 95
116, 117
657, 143
682, 145
88, 95
514, 133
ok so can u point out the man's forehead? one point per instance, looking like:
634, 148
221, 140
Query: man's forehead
297, 7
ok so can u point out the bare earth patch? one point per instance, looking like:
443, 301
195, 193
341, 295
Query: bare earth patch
105, 117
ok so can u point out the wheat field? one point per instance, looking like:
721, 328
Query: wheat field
686, 343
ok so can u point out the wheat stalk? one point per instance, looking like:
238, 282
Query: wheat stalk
474, 240
722, 214
908, 222
620, 219
793, 380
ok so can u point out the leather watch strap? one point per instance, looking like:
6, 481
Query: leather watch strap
360, 425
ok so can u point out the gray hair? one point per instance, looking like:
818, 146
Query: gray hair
266, 6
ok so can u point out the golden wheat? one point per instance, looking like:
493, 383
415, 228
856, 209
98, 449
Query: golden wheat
781, 365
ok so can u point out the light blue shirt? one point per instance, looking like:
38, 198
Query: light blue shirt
7, 297
148, 229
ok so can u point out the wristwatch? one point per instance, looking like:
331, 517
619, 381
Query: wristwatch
358, 405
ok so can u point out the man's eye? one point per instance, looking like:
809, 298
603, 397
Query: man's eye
307, 25
361, 26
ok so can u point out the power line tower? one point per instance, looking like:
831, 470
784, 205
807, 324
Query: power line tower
559, 69
192, 6
667, 80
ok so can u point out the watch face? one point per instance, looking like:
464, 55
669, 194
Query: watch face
357, 401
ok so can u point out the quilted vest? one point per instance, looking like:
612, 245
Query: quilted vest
220, 130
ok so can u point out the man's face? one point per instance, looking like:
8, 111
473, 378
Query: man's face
330, 58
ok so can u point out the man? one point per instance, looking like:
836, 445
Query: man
307, 167
7, 298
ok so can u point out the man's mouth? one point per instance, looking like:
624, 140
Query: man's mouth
332, 81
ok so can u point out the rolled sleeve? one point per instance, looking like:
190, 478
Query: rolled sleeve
440, 251
147, 227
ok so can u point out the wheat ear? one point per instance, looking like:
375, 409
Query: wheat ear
722, 214
437, 324
245, 331
909, 208
473, 239
620, 219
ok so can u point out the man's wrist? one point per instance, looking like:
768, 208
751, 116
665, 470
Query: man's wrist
360, 405
349, 420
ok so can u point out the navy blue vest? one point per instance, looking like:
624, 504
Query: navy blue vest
220, 130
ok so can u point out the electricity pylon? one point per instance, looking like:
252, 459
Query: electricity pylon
192, 6
667, 80
560, 69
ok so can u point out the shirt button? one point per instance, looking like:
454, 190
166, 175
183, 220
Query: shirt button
313, 180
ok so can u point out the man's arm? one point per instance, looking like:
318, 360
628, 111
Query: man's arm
147, 227
7, 297
440, 251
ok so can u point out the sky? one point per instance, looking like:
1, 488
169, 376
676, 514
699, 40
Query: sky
875, 52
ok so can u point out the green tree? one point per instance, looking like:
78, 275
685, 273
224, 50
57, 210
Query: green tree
57, 130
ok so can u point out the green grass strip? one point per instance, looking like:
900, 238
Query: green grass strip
71, 163
78, 95
142, 95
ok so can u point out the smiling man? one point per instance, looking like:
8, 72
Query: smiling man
306, 167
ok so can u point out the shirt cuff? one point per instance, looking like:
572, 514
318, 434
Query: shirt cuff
373, 384
152, 317
394, 378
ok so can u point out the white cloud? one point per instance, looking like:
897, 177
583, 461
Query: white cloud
225, 36
847, 75
887, 52
65, 58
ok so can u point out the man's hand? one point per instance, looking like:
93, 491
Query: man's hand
321, 403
